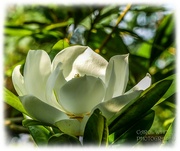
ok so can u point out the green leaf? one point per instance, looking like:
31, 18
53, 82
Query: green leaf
169, 136
86, 22
63, 139
172, 88
61, 44
171, 91
132, 135
96, 130
135, 109
40, 134
169, 103
29, 122
13, 101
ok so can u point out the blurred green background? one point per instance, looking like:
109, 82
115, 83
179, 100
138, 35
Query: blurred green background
146, 32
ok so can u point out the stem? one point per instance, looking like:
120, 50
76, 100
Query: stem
18, 129
121, 16
9, 121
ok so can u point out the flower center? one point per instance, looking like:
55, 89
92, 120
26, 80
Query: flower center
77, 75
78, 117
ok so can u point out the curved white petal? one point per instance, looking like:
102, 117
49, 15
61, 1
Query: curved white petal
73, 126
54, 83
36, 72
111, 107
80, 95
143, 84
18, 81
41, 110
117, 74
89, 63
67, 57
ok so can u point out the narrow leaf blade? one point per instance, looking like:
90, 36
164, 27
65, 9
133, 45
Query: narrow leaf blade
96, 130
29, 122
13, 101
169, 136
132, 135
134, 110
63, 139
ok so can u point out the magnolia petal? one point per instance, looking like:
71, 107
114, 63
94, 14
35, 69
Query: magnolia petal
41, 110
36, 72
54, 83
143, 84
80, 95
67, 57
111, 107
111, 82
18, 81
117, 74
89, 63
73, 126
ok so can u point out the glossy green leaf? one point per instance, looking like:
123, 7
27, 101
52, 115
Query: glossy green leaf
86, 22
29, 122
135, 109
96, 130
171, 91
170, 102
172, 88
40, 134
134, 134
60, 45
13, 101
170, 135
63, 139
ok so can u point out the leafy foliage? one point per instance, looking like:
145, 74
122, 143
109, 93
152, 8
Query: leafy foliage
133, 135
63, 139
13, 100
96, 130
136, 108
40, 134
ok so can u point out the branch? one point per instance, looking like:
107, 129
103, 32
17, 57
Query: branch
121, 16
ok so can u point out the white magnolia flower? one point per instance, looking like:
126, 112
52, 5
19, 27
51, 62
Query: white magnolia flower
64, 92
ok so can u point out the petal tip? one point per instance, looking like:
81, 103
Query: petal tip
148, 75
